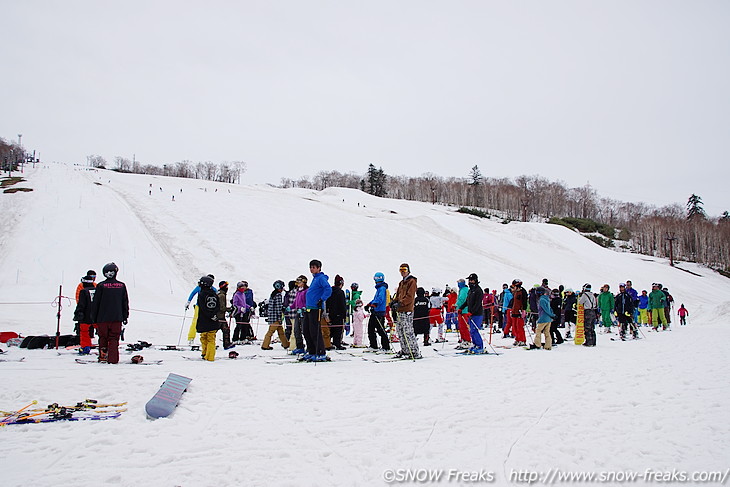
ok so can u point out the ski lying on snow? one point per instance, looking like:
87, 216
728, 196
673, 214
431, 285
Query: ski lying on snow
21, 359
95, 417
151, 362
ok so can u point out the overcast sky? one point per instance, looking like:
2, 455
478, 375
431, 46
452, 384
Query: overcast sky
632, 96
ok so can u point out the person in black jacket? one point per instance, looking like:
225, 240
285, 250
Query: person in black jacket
207, 324
475, 316
82, 314
421, 325
624, 308
336, 312
556, 302
109, 310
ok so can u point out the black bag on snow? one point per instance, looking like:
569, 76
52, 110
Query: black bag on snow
41, 341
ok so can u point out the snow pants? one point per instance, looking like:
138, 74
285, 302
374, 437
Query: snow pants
643, 317
313, 332
207, 342
606, 318
658, 317
243, 330
518, 327
544, 329
356, 331
85, 337
475, 322
406, 336
226, 328
298, 340
464, 328
109, 334
275, 327
589, 325
376, 327
192, 331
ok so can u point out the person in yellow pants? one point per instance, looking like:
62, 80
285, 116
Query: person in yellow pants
657, 303
193, 325
207, 324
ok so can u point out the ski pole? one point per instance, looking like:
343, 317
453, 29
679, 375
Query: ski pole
182, 327
18, 411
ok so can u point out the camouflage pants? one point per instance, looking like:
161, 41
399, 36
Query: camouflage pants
406, 336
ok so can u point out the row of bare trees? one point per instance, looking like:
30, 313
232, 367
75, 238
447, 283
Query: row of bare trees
226, 172
701, 240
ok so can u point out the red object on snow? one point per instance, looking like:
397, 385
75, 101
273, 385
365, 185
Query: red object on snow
7, 335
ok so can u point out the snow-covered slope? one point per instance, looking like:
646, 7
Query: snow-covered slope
656, 403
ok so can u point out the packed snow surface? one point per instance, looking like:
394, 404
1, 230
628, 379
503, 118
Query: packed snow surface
653, 405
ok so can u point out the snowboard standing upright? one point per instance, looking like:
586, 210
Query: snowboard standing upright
580, 331
164, 402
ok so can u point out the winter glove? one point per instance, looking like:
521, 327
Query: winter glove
300, 312
367, 308
187, 305
627, 314
124, 322
394, 305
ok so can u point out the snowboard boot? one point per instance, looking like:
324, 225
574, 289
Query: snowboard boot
102, 355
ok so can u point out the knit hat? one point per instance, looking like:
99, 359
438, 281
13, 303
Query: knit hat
339, 280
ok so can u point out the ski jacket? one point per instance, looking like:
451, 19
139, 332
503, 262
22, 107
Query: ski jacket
222, 305
207, 311
420, 308
437, 302
474, 300
546, 313
605, 301
519, 301
587, 300
289, 299
633, 293
110, 303
196, 290
300, 302
569, 302
354, 296
378, 303
643, 302
488, 300
451, 301
406, 293
461, 300
624, 304
275, 309
657, 299
337, 306
80, 287
682, 312
82, 313
240, 303
556, 304
532, 300
506, 299
319, 291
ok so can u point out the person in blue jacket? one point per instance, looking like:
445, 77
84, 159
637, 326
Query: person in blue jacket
318, 292
544, 319
193, 326
377, 307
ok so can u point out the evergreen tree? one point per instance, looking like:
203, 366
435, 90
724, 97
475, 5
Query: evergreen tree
376, 181
694, 208
475, 176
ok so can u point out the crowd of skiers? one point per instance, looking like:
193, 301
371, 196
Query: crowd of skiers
312, 316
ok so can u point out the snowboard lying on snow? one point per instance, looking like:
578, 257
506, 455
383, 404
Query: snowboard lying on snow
164, 402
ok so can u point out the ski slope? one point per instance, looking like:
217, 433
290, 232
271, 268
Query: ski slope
656, 403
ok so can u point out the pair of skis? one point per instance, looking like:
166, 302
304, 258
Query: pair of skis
54, 412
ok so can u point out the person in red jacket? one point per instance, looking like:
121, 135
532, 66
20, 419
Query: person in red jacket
109, 310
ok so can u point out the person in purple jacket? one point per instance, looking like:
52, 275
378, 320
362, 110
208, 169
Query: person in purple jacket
243, 306
317, 294
299, 305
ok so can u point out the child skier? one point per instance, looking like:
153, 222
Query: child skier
683, 314
358, 317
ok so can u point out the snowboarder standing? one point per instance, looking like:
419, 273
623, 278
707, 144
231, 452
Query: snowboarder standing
109, 310
643, 304
299, 306
516, 313
207, 324
243, 306
403, 305
544, 319
193, 325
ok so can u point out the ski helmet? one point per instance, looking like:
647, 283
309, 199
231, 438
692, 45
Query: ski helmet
110, 270
241, 284
205, 282
223, 285
87, 279
91, 273
354, 286
586, 287
379, 277
278, 284
436, 290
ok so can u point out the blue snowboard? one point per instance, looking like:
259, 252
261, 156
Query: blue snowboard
164, 402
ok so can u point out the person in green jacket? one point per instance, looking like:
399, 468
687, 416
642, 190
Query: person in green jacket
463, 325
605, 304
657, 303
